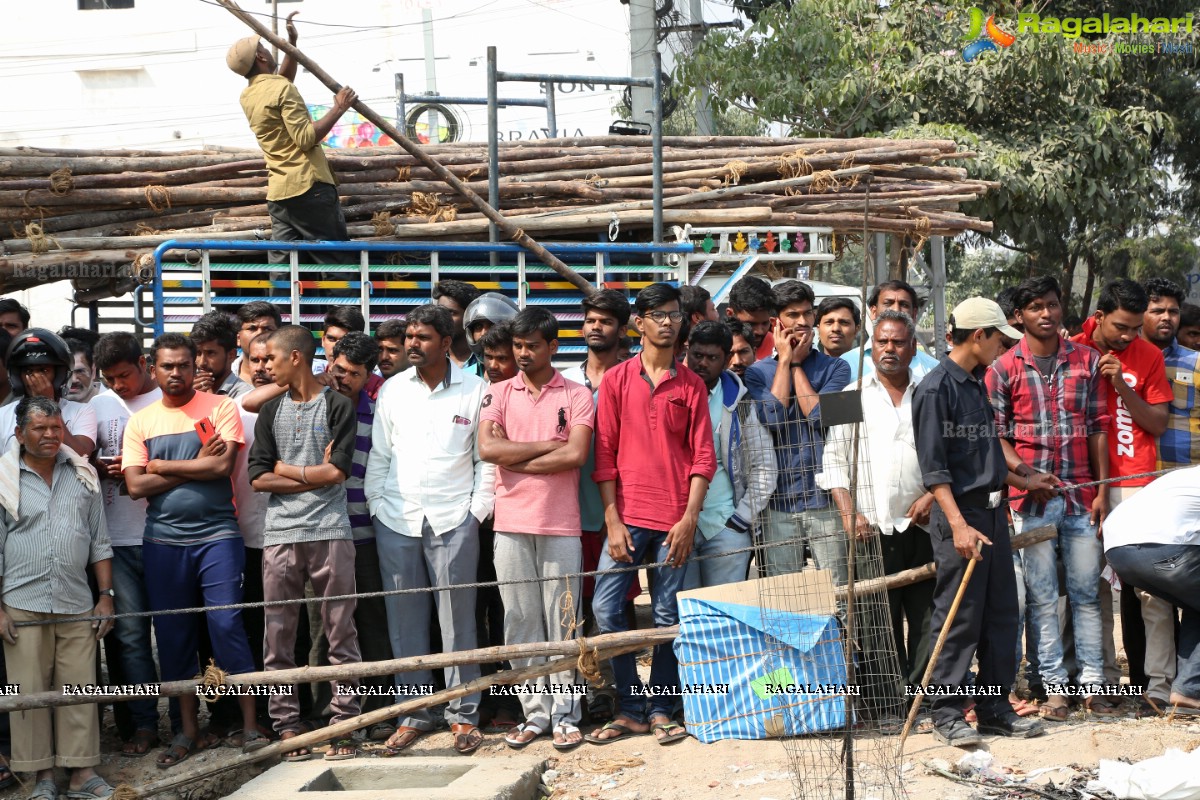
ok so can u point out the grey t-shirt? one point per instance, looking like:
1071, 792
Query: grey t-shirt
301, 433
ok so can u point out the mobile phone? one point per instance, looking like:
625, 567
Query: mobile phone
205, 430
106, 460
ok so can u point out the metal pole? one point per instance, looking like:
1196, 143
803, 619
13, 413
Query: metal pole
275, 28
493, 150
643, 43
703, 113
937, 245
431, 118
401, 122
551, 112
657, 146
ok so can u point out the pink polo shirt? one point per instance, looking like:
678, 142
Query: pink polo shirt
542, 504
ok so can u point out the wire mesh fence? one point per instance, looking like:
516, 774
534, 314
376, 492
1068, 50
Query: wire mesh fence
838, 693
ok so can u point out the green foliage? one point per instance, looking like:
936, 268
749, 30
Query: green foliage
1089, 149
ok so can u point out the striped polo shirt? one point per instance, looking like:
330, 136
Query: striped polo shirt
44, 555
356, 494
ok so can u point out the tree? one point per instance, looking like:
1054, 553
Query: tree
1082, 144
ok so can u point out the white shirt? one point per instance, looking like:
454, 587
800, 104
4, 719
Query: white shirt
79, 418
126, 517
251, 505
1165, 511
889, 477
424, 462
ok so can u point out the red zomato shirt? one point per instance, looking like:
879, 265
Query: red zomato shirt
651, 441
1131, 449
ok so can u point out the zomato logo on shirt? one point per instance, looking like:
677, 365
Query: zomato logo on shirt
1124, 420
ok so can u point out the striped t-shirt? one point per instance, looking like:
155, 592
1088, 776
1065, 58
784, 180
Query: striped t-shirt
194, 511
356, 494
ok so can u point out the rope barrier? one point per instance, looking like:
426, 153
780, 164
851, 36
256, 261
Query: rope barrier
1070, 487
394, 592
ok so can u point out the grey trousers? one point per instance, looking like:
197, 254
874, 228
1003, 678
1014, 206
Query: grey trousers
541, 612
409, 562
820, 530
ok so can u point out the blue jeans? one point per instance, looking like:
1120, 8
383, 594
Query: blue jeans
608, 607
717, 571
1081, 554
137, 653
1172, 572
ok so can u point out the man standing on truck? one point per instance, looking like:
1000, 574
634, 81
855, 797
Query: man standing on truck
301, 190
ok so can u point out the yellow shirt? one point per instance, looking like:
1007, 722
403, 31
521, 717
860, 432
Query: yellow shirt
280, 121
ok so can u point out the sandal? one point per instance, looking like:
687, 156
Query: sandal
516, 739
1056, 708
467, 738
671, 732
380, 732
7, 779
565, 729
623, 732
143, 742
1102, 706
44, 789
180, 748
300, 753
403, 738
92, 788
254, 740
342, 750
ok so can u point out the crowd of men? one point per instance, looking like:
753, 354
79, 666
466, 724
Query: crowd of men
232, 465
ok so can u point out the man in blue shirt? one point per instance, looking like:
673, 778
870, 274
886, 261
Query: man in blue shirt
787, 389
891, 296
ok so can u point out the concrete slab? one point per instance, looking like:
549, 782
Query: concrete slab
404, 778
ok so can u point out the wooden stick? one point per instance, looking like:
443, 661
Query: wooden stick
510, 230
364, 669
341, 729
941, 641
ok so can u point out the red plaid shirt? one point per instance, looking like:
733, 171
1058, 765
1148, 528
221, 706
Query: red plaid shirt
1049, 424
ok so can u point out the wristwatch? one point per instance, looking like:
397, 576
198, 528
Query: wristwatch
108, 592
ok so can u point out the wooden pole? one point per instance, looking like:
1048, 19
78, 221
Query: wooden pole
937, 648
341, 729
510, 230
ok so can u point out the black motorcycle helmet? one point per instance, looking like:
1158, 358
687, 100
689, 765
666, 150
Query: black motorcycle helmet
35, 347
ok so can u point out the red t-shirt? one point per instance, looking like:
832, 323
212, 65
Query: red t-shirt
1131, 449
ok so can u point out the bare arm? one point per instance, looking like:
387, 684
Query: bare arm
966, 538
496, 448
203, 468
80, 444
277, 484
288, 68
1152, 418
806, 396
682, 535
568, 455
142, 484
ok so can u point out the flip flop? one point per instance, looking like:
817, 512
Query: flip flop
177, 751
673, 731
7, 779
380, 732
44, 789
299, 754
254, 740
93, 788
1102, 706
1055, 709
514, 739
623, 732
565, 729
338, 745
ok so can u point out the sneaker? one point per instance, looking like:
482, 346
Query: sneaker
956, 734
1011, 725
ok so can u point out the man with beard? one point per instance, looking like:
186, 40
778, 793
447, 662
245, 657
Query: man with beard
392, 358
455, 297
192, 546
253, 319
216, 347
499, 364
537, 428
82, 385
1049, 403
428, 491
1138, 400
742, 355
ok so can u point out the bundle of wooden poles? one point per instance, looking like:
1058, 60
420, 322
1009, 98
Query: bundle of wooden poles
107, 206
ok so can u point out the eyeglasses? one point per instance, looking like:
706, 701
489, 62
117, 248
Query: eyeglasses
660, 317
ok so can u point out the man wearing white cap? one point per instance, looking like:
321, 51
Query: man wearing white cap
301, 191
962, 464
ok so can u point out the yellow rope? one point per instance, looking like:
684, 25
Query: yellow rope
143, 229
736, 169
403, 173
158, 197
61, 181
382, 220
212, 678
39, 242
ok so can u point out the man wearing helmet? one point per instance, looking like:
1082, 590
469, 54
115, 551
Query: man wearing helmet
301, 191
483, 313
39, 365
